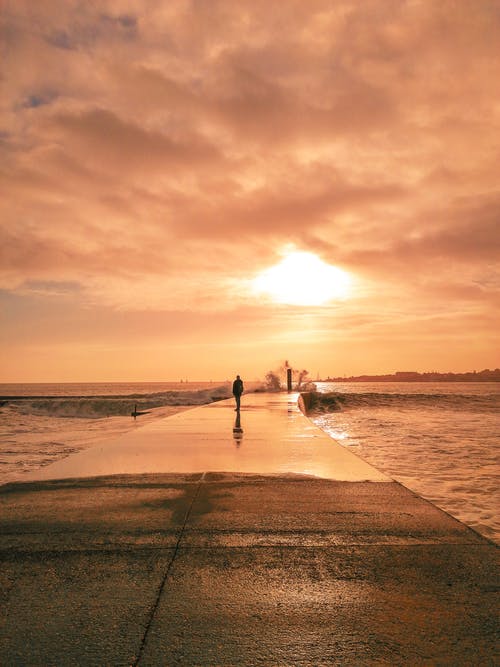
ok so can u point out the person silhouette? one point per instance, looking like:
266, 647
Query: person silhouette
237, 391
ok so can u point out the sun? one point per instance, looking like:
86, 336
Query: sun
303, 279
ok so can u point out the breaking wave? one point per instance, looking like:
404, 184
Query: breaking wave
319, 403
95, 407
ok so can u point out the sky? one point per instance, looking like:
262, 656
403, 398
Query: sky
158, 156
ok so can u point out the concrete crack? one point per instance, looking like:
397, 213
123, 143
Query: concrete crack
165, 576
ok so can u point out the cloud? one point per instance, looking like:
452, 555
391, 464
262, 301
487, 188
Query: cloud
463, 233
109, 143
185, 145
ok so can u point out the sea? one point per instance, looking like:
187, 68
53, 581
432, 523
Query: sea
439, 439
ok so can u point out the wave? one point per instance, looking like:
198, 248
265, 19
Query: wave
95, 407
318, 402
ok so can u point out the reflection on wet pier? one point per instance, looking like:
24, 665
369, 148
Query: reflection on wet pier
237, 430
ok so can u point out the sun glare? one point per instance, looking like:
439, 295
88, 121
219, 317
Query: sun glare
303, 279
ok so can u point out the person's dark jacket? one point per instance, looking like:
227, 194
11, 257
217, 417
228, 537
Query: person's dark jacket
237, 387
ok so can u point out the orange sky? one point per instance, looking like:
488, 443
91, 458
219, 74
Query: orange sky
156, 156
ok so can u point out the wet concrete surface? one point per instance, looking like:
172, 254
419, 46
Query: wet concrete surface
270, 435
234, 569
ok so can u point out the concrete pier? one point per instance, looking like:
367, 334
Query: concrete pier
241, 567
274, 437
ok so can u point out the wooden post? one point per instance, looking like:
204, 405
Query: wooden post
289, 379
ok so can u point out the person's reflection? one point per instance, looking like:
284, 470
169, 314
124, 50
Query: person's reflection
237, 430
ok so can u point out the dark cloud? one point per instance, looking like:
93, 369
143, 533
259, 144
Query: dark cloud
126, 22
61, 40
104, 137
39, 99
85, 29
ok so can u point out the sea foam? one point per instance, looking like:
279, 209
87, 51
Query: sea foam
96, 407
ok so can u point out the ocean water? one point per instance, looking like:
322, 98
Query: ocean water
103, 389
439, 439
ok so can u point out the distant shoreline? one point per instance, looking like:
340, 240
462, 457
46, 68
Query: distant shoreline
403, 376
